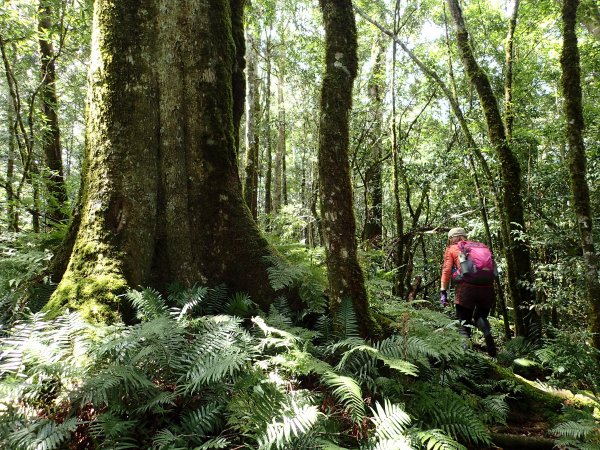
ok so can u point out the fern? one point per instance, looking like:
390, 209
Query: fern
438, 440
203, 420
148, 303
576, 430
348, 392
495, 408
283, 275
293, 423
215, 443
390, 421
240, 305
42, 434
346, 325
444, 409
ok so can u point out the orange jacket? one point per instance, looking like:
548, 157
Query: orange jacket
450, 261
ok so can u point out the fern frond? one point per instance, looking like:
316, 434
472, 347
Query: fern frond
43, 434
215, 443
114, 381
203, 420
148, 302
213, 368
578, 430
441, 408
496, 408
438, 440
346, 323
215, 300
292, 424
393, 444
166, 440
188, 300
348, 392
157, 403
240, 305
390, 420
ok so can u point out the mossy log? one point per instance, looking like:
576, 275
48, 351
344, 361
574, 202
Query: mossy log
520, 442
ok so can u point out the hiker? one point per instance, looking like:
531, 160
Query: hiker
470, 265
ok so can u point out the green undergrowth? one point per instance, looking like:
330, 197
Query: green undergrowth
201, 370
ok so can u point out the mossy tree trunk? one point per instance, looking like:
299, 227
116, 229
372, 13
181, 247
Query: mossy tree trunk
55, 180
527, 322
571, 84
12, 215
346, 280
161, 197
252, 127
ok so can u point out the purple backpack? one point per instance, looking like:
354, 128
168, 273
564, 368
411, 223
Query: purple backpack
476, 263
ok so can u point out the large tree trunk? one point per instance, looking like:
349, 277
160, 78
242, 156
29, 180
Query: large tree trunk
238, 80
161, 197
346, 280
252, 128
571, 84
518, 258
51, 136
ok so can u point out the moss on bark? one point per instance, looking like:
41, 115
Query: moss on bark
339, 227
571, 84
161, 197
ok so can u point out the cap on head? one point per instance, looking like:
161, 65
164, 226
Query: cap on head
456, 232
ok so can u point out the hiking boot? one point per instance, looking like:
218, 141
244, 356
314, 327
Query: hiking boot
490, 345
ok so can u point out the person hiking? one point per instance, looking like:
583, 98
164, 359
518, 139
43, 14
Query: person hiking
470, 265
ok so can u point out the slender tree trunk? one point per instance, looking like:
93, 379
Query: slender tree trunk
51, 136
399, 220
252, 128
373, 229
268, 140
571, 84
35, 207
346, 280
509, 116
12, 214
280, 149
518, 257
162, 197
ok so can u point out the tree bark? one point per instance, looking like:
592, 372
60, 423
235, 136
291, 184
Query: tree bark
12, 215
571, 84
509, 117
161, 198
373, 179
346, 282
252, 128
55, 181
238, 79
268, 140
527, 322
280, 149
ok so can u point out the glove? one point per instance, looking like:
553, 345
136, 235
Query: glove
443, 298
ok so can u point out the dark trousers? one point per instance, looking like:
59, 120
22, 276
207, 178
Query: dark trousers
478, 317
